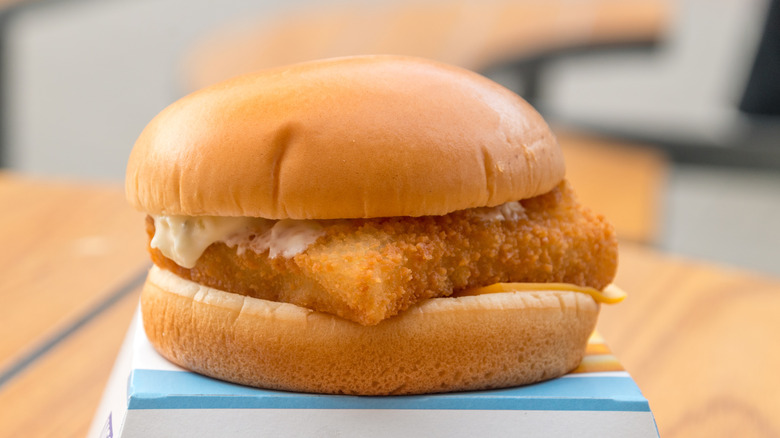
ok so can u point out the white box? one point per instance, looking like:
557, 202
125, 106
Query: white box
149, 397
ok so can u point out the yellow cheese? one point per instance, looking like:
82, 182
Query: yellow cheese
610, 295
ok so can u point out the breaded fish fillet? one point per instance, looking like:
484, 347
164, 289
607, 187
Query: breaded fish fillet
367, 270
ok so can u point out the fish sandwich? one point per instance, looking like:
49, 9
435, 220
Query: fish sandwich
368, 225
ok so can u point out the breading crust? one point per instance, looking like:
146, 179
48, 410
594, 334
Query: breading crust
367, 270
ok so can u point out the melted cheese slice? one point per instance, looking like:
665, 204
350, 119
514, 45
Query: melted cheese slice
610, 295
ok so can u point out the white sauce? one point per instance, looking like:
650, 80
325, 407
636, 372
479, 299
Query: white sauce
286, 237
183, 239
291, 237
504, 212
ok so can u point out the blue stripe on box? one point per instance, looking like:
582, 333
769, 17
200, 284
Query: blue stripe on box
155, 389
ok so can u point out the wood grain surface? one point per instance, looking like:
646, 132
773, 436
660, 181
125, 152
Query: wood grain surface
64, 247
701, 341
56, 396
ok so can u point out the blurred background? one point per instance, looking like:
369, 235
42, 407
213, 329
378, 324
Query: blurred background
669, 111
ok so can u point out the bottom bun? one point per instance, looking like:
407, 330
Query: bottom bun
442, 345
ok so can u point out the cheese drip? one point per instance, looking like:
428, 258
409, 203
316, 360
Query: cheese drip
610, 295
183, 239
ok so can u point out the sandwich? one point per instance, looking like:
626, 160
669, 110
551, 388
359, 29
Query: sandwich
369, 225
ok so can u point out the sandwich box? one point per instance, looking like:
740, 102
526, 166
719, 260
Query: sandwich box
147, 396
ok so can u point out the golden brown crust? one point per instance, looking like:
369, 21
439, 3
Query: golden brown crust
443, 344
370, 136
367, 270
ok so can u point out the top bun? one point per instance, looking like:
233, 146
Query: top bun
355, 137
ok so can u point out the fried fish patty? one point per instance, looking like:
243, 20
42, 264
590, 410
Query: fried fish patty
367, 270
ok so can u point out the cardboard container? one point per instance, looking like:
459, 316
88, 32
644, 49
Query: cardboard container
149, 397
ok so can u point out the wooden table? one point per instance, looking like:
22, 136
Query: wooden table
700, 340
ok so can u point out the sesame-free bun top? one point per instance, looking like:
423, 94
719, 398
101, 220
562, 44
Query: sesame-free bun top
355, 137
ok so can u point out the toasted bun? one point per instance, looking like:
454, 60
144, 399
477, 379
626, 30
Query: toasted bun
445, 344
356, 137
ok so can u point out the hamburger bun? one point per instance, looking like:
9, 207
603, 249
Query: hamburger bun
349, 138
444, 344
360, 137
